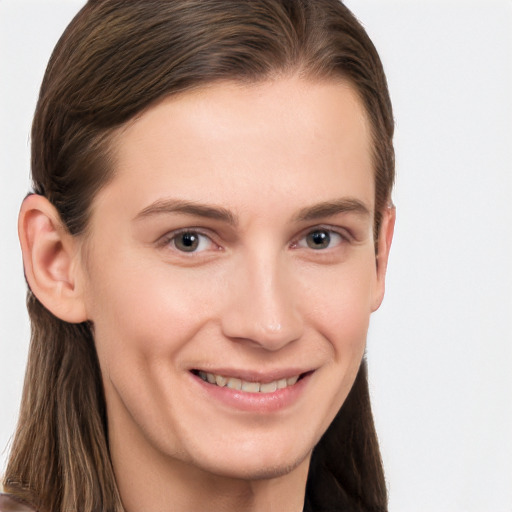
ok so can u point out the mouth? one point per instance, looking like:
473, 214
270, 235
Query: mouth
239, 384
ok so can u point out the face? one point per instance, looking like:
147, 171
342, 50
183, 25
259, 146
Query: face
230, 274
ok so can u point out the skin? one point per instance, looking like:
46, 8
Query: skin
274, 163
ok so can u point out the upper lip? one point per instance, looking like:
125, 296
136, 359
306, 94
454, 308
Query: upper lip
256, 375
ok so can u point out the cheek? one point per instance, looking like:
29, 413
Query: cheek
338, 307
339, 303
146, 313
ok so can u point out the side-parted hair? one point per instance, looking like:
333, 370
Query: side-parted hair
116, 59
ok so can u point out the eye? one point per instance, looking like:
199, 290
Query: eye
191, 241
321, 239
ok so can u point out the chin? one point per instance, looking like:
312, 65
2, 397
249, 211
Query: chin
245, 470
255, 462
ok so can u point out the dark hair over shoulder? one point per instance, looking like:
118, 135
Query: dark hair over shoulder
116, 59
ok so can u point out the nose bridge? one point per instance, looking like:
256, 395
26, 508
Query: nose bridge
263, 308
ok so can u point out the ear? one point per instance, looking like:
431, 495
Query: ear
51, 259
387, 228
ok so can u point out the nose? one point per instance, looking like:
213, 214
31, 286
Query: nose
262, 309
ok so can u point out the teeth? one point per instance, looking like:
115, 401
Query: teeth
220, 380
281, 384
251, 387
268, 388
248, 387
292, 380
234, 383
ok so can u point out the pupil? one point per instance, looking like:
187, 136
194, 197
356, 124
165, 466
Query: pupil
188, 242
319, 240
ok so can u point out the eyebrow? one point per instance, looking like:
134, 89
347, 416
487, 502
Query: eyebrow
331, 208
168, 206
309, 213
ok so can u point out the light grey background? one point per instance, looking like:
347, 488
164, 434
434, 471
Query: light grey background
440, 348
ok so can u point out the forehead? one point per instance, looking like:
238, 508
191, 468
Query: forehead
230, 139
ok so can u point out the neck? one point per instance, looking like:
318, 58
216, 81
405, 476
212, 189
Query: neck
175, 486
151, 480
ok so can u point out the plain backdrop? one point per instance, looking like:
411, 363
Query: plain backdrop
440, 348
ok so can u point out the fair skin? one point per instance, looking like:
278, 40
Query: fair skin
233, 244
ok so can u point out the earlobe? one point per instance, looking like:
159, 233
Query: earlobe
383, 247
51, 259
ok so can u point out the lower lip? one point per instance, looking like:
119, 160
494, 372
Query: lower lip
254, 402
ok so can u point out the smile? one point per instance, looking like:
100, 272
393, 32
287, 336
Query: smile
250, 391
246, 386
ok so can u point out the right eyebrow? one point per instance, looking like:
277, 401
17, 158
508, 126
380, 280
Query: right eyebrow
335, 207
170, 206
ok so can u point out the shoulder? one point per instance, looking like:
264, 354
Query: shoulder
9, 503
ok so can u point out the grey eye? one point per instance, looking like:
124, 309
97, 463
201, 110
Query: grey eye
189, 241
318, 239
321, 239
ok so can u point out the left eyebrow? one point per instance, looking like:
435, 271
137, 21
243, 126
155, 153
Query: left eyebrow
331, 208
178, 206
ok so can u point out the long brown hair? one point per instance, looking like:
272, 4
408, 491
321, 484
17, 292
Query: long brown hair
116, 59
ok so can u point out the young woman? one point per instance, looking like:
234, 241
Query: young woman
207, 237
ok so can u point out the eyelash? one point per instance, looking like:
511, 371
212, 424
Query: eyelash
299, 243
